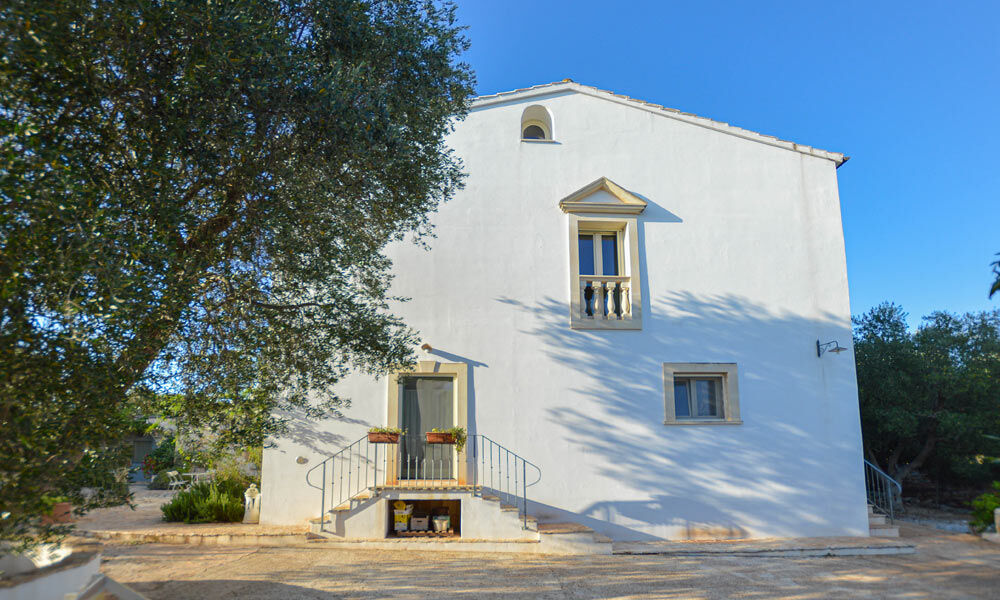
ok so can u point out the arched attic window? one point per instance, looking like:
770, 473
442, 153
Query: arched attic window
536, 123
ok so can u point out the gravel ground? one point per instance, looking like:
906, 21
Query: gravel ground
946, 566
947, 519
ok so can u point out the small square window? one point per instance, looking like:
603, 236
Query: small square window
700, 393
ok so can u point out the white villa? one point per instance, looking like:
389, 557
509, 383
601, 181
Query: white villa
631, 310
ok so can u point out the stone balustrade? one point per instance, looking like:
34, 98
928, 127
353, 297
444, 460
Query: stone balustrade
606, 297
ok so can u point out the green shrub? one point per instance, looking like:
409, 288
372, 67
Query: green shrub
233, 466
982, 508
215, 502
160, 480
162, 458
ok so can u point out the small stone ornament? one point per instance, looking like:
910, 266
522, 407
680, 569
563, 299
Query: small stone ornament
251, 514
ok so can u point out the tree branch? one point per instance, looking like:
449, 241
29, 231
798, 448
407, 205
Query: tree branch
284, 306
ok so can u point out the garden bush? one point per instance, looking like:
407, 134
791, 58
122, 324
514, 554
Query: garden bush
237, 466
162, 458
983, 507
209, 502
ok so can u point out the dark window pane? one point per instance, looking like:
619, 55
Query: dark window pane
427, 403
533, 132
609, 254
707, 393
681, 408
587, 255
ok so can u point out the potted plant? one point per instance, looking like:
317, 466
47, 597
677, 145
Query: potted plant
384, 435
454, 435
60, 510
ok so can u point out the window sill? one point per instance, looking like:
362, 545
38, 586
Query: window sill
702, 422
629, 325
527, 141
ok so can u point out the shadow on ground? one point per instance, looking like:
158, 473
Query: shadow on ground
945, 566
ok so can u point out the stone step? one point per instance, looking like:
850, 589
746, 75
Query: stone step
558, 528
883, 531
428, 487
877, 520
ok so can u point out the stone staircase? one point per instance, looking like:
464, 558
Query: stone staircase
879, 526
487, 525
372, 473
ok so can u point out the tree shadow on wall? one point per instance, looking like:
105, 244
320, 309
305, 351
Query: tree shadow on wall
723, 480
313, 434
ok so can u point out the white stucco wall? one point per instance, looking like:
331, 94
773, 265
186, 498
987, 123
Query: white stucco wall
741, 259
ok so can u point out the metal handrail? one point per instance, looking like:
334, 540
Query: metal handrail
883, 491
499, 478
363, 466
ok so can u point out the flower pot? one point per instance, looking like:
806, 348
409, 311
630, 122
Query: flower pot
441, 523
62, 512
440, 437
383, 438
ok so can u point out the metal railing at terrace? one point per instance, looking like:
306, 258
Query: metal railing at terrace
483, 467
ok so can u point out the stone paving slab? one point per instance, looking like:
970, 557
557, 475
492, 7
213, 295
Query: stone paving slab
946, 566
825, 546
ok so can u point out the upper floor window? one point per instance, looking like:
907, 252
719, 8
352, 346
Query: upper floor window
536, 124
604, 259
599, 253
605, 293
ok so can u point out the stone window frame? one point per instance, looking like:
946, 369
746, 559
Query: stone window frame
459, 375
541, 117
728, 372
626, 230
619, 216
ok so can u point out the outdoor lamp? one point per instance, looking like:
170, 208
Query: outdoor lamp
833, 346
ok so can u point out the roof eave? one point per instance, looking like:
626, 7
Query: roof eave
549, 89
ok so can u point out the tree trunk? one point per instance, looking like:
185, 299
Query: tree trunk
918, 460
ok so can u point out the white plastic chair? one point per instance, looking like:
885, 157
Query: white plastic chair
176, 481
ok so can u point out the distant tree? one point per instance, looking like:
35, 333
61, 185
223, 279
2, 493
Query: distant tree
933, 390
195, 199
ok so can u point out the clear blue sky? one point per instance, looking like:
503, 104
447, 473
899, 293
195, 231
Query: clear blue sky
910, 91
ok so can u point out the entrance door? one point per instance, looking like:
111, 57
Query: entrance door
427, 403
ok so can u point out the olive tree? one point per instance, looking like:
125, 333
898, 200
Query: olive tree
195, 199
930, 393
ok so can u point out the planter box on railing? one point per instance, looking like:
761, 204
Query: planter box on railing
62, 512
383, 438
436, 437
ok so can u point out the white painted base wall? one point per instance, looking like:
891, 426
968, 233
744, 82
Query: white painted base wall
741, 260
480, 519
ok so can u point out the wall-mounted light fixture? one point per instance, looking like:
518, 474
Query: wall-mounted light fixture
833, 346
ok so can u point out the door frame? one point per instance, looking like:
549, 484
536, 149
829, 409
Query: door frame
459, 374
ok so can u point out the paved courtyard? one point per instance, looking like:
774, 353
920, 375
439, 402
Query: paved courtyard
947, 565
